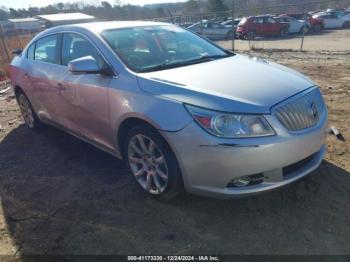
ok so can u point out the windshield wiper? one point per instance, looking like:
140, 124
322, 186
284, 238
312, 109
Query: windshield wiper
201, 59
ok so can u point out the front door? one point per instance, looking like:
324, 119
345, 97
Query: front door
271, 26
84, 96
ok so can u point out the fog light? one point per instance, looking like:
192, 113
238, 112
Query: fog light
247, 180
241, 182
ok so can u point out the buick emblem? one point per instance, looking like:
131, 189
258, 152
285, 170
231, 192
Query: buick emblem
313, 110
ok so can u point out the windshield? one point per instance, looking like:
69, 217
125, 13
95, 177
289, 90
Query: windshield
152, 48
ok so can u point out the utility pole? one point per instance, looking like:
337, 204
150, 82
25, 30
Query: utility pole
201, 20
233, 26
171, 16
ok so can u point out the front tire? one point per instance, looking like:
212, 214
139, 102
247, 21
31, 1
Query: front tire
251, 35
29, 116
152, 163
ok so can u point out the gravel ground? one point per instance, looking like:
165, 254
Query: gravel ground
59, 195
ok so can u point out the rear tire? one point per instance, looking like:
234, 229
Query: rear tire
29, 116
152, 163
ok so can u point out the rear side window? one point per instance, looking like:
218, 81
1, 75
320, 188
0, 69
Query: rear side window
270, 20
46, 49
75, 46
259, 20
30, 52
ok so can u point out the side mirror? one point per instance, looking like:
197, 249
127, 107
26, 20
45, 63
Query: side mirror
17, 51
84, 65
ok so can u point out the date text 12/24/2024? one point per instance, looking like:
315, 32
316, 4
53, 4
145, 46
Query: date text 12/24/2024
173, 258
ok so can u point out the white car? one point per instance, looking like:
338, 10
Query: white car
295, 25
229, 23
212, 30
333, 21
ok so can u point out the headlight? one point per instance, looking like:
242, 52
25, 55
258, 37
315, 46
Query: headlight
231, 125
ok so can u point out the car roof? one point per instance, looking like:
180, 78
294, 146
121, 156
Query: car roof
98, 27
262, 16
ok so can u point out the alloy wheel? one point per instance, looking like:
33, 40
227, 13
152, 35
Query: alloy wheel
148, 164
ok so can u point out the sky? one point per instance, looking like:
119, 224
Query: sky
39, 3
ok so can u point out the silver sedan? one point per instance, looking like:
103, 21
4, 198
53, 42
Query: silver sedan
182, 112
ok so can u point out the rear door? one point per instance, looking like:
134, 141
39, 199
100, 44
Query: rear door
332, 21
219, 31
294, 25
44, 59
259, 27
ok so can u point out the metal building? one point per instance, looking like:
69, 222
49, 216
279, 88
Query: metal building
65, 18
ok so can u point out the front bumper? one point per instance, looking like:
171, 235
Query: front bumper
241, 34
209, 164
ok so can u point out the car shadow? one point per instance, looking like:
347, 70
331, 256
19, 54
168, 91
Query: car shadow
59, 195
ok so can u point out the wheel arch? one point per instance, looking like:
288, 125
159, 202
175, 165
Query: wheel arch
17, 90
127, 123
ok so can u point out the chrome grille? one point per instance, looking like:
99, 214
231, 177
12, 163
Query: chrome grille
302, 112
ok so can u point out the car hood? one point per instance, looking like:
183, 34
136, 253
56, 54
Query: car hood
236, 84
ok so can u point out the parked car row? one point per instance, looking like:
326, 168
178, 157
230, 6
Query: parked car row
212, 30
272, 24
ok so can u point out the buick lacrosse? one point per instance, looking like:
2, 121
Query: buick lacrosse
182, 112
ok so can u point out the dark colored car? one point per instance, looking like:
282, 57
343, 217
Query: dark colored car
251, 27
316, 23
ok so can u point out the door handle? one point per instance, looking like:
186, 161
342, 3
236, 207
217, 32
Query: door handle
59, 86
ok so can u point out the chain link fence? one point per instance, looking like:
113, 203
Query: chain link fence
9, 42
212, 26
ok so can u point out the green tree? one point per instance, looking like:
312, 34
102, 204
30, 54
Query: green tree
216, 6
106, 5
3, 14
192, 6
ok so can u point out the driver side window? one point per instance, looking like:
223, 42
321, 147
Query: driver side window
75, 46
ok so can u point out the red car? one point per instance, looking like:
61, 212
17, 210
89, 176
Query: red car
254, 26
316, 23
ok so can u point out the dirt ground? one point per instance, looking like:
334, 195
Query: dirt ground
336, 40
59, 195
